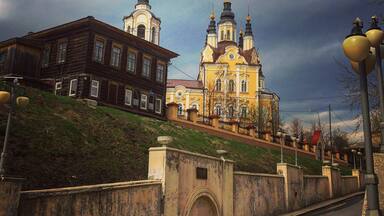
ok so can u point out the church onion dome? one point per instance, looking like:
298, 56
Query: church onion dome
212, 24
248, 27
227, 14
143, 2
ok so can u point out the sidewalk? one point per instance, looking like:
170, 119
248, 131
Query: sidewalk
322, 205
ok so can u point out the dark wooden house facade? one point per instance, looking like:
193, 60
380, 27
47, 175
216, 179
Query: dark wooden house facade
91, 59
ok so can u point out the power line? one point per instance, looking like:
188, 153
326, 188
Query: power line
178, 69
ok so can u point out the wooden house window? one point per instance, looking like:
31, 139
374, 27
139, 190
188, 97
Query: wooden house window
143, 102
160, 73
73, 87
131, 64
128, 97
58, 87
95, 88
158, 106
3, 57
136, 96
151, 104
141, 31
46, 56
98, 54
62, 52
116, 55
146, 67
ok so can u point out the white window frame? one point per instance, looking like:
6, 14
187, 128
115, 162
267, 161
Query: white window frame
99, 57
145, 100
62, 48
160, 78
97, 86
116, 56
145, 73
217, 85
57, 84
158, 108
128, 92
134, 63
180, 112
70, 87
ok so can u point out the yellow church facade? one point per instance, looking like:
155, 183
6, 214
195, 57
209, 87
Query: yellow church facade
230, 74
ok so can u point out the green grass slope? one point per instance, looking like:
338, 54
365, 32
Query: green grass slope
58, 141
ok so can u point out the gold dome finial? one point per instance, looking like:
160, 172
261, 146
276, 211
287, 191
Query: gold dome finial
241, 31
249, 17
227, 1
212, 16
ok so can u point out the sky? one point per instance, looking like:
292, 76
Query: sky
298, 41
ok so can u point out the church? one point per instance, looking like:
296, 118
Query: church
231, 80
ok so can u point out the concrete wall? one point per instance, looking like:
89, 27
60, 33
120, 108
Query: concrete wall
316, 189
126, 198
349, 184
293, 180
334, 179
9, 195
258, 194
177, 170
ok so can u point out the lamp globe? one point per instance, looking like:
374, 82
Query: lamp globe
374, 34
356, 45
370, 62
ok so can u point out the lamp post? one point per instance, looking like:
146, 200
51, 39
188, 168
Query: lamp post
354, 158
282, 137
375, 36
5, 98
356, 47
296, 144
360, 160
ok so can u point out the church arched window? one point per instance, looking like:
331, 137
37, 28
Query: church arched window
228, 35
231, 86
231, 111
141, 31
153, 35
218, 85
218, 110
222, 35
129, 29
180, 109
244, 86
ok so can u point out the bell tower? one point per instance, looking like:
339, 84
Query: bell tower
143, 23
227, 23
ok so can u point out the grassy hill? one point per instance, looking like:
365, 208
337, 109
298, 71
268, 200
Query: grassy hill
58, 141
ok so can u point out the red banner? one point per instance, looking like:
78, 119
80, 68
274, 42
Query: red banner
316, 137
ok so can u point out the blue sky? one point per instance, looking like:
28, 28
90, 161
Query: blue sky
298, 40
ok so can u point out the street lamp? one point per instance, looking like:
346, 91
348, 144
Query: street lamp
356, 47
375, 36
361, 161
354, 158
10, 99
297, 140
282, 139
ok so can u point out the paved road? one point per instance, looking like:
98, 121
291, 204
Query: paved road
350, 207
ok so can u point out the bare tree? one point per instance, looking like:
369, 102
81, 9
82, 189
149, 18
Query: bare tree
296, 127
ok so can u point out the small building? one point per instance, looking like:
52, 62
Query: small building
88, 58
187, 94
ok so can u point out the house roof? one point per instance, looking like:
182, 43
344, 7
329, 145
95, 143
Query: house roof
90, 21
193, 84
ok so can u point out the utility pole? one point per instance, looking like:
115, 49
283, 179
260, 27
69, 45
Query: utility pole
330, 132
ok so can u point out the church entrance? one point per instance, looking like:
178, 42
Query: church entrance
203, 206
